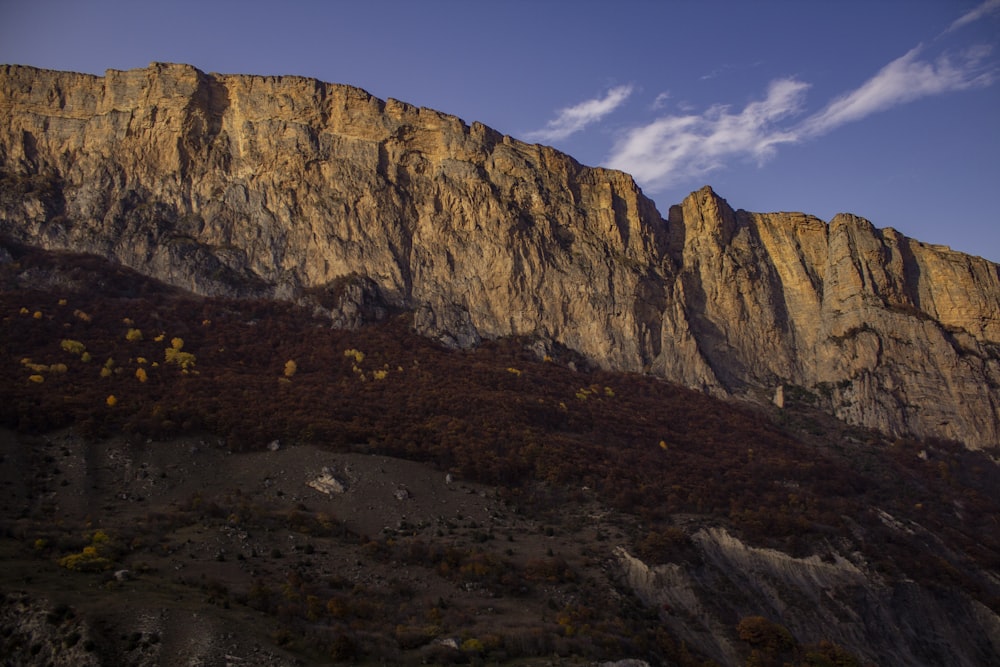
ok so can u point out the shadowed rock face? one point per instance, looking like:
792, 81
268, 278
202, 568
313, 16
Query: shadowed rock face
834, 599
285, 186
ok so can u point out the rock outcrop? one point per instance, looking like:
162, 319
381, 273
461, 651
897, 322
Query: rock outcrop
835, 599
880, 329
292, 188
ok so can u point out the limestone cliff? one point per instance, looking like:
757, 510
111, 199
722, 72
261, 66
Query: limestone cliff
884, 330
291, 188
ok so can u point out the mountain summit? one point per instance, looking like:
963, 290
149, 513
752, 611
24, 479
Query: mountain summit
287, 187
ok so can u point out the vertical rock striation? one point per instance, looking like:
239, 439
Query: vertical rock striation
286, 186
885, 331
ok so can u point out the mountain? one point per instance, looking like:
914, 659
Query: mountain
290, 188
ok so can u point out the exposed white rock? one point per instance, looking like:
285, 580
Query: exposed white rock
833, 597
328, 484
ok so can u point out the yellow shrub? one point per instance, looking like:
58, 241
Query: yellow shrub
290, 368
111, 401
380, 375
358, 355
37, 379
105, 372
88, 560
173, 355
37, 315
133, 335
80, 315
62, 302
472, 645
140, 373
72, 346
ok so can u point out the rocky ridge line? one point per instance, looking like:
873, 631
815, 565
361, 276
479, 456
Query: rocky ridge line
288, 187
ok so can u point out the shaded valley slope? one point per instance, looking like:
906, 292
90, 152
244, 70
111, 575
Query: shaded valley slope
190, 479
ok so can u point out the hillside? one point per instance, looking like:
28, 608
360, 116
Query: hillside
290, 188
478, 505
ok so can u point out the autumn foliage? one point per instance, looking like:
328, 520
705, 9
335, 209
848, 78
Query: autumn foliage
497, 414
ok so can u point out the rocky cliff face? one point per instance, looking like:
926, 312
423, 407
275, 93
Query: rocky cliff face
291, 188
834, 599
884, 331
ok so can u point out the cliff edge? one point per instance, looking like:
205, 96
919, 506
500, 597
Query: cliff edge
287, 187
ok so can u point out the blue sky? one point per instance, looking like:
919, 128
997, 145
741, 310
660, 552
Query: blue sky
883, 108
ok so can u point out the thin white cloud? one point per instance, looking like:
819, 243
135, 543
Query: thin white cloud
903, 80
573, 119
672, 148
714, 73
661, 99
974, 15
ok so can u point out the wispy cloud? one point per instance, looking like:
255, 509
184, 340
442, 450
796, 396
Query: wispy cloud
974, 15
727, 67
575, 118
676, 148
903, 80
